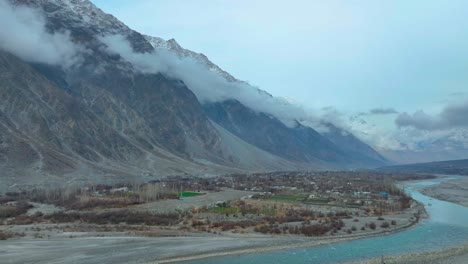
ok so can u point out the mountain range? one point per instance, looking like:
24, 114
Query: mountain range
449, 167
102, 120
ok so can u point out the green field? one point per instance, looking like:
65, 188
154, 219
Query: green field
224, 210
189, 194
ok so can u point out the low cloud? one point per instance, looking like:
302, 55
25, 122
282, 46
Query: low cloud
379, 111
452, 116
208, 86
383, 111
23, 33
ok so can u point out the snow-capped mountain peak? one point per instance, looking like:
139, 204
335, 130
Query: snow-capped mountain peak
172, 46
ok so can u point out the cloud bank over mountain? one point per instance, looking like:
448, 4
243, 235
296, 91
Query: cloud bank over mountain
207, 85
24, 34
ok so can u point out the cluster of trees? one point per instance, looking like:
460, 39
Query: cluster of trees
306, 229
113, 217
92, 196
405, 202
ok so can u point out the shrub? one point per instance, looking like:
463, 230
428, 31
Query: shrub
314, 230
385, 225
196, 223
372, 226
5, 236
393, 222
20, 208
107, 202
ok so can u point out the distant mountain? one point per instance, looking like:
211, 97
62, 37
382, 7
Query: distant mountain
406, 148
456, 167
101, 121
445, 147
362, 154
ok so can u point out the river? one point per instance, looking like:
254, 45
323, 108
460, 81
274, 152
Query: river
446, 226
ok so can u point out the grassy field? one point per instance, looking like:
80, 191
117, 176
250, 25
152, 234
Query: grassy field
224, 210
189, 194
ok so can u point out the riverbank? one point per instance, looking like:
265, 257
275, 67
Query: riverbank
84, 243
457, 255
278, 243
455, 191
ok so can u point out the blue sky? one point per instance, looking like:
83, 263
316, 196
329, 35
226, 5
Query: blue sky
353, 55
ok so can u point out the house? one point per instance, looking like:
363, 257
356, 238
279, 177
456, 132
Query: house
121, 189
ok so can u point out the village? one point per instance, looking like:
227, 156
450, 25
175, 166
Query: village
311, 204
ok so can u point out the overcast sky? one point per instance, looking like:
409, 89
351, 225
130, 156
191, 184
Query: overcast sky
391, 56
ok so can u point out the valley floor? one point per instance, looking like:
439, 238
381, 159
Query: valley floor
80, 247
87, 243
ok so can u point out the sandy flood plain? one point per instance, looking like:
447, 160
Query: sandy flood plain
455, 191
126, 249
51, 243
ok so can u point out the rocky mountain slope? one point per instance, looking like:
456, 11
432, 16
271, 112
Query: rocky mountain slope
361, 154
101, 120
263, 130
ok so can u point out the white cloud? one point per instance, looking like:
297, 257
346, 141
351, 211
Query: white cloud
23, 33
